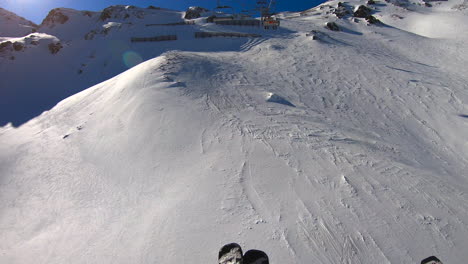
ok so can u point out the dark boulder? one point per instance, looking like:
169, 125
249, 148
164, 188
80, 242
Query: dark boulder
55, 47
372, 20
5, 45
362, 11
194, 12
17, 46
332, 26
341, 12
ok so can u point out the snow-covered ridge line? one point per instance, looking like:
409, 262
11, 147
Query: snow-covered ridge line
12, 25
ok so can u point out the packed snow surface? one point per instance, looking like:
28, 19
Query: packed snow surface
185, 152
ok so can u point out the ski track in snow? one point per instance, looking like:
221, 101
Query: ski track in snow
181, 154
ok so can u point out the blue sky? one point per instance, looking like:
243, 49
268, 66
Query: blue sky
37, 10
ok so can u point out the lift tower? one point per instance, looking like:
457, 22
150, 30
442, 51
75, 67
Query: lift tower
267, 10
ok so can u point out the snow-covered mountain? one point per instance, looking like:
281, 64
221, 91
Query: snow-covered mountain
12, 25
83, 48
314, 145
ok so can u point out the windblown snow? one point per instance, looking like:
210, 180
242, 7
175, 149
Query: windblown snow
315, 146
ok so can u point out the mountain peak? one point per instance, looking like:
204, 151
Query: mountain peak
12, 25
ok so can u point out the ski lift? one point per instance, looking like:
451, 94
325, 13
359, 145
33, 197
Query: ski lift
266, 9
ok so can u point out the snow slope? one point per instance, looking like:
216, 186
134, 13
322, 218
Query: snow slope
346, 149
95, 48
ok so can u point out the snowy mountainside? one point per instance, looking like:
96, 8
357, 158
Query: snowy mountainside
92, 47
346, 148
12, 25
69, 24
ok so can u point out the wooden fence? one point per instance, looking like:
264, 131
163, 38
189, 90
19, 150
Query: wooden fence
157, 38
251, 22
225, 34
173, 24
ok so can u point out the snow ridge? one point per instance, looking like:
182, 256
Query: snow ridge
12, 25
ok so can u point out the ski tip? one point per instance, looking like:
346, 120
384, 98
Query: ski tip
431, 260
255, 256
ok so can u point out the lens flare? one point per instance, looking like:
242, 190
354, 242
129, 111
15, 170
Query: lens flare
131, 58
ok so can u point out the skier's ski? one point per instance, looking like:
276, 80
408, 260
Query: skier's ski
230, 254
431, 260
254, 256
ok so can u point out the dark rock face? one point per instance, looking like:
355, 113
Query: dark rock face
194, 12
55, 47
90, 35
372, 20
5, 46
17, 46
371, 2
87, 13
54, 17
121, 12
106, 14
341, 11
332, 26
365, 12
362, 11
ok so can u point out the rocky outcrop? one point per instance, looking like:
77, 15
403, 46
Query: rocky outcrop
11, 46
4, 46
342, 10
17, 46
121, 12
106, 14
194, 12
55, 16
332, 26
55, 47
362, 11
372, 20
365, 12
31, 41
